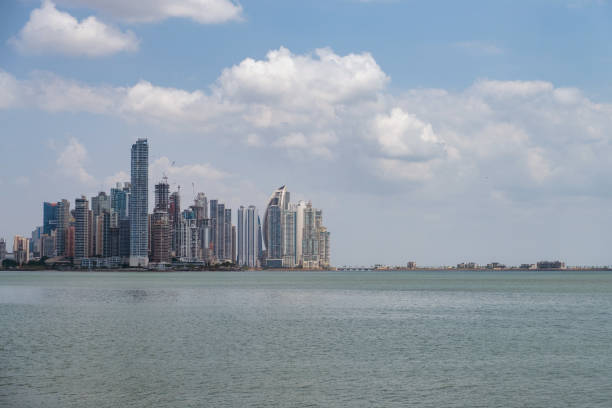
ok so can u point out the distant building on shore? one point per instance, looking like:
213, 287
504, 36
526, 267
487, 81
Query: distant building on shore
551, 265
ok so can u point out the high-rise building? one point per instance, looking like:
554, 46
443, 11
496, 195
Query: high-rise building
63, 222
160, 225
50, 215
70, 238
21, 250
200, 206
248, 237
213, 228
120, 197
47, 245
139, 204
274, 231
162, 195
316, 251
227, 247
280, 199
289, 225
174, 216
299, 228
2, 249
160, 237
35, 242
200, 210
81, 237
100, 203
124, 240
233, 244
189, 249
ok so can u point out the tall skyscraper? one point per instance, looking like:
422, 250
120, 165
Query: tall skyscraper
228, 249
213, 227
220, 240
139, 204
160, 225
175, 219
50, 214
248, 240
81, 238
289, 225
280, 198
316, 251
274, 231
63, 223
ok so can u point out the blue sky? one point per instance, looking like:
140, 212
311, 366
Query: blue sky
435, 131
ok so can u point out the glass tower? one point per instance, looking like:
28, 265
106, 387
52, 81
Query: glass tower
139, 204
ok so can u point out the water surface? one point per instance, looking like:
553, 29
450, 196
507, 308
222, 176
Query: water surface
287, 339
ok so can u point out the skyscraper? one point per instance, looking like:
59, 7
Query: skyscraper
248, 241
50, 214
316, 251
274, 231
2, 249
63, 222
279, 198
81, 238
160, 224
174, 216
21, 250
228, 249
139, 204
289, 225
119, 200
213, 227
100, 203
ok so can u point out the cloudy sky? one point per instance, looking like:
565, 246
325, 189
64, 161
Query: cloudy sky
433, 131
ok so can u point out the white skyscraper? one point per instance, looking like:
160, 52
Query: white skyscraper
248, 237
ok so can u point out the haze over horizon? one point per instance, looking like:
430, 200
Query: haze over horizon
435, 132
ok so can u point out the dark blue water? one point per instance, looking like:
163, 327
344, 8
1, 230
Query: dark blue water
329, 339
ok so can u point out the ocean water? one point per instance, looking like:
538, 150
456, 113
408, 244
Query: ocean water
306, 339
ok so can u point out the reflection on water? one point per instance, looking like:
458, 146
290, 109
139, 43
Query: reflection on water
322, 339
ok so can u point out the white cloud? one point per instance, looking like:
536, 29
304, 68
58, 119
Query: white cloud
403, 135
201, 11
52, 31
299, 80
524, 137
71, 162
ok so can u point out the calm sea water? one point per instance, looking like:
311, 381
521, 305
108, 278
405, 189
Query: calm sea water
328, 339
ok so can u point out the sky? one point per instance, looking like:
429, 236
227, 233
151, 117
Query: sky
430, 131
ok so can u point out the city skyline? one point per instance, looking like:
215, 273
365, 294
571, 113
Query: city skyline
463, 138
118, 230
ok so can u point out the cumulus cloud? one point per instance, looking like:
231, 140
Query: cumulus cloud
71, 162
52, 31
523, 137
403, 135
201, 11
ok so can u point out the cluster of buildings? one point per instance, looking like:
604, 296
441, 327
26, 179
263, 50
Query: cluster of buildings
117, 229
